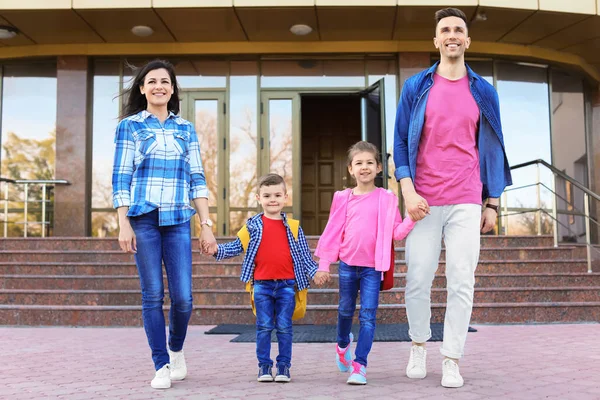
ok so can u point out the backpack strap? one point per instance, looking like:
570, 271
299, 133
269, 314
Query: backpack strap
294, 227
244, 236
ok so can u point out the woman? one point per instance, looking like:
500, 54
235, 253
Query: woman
157, 171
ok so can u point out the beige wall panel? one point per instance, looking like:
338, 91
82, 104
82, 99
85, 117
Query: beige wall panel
573, 6
80, 4
355, 3
438, 3
52, 27
273, 3
499, 22
191, 3
115, 25
521, 4
540, 25
19, 40
35, 4
274, 24
417, 23
203, 24
356, 23
580, 32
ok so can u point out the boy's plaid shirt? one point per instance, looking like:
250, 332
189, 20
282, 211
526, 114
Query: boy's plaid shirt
157, 167
305, 267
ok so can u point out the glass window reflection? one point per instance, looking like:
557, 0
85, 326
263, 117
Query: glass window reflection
243, 152
524, 110
105, 120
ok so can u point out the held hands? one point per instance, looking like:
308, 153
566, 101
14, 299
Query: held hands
208, 243
416, 206
321, 277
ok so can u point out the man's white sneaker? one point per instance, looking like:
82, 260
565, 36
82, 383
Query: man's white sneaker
417, 362
451, 374
177, 365
162, 379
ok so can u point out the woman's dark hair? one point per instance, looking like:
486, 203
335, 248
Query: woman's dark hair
136, 101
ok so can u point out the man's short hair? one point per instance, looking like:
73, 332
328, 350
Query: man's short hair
450, 12
271, 180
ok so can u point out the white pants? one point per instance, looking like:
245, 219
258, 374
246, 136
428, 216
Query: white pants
459, 225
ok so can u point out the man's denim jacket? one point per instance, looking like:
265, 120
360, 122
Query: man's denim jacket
410, 117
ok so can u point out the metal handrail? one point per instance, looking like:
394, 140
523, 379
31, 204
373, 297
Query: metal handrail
26, 182
587, 195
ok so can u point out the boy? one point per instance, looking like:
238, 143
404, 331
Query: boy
279, 264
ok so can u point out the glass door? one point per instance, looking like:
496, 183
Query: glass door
206, 110
279, 142
373, 123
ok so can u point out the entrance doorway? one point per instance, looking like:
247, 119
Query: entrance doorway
330, 124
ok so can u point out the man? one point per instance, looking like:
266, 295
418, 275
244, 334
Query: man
449, 155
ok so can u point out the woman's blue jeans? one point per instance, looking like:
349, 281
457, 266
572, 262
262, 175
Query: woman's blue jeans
172, 246
275, 301
367, 280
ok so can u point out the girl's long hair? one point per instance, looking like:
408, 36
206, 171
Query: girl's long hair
136, 101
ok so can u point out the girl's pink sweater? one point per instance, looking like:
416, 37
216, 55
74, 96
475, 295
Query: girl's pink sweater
392, 227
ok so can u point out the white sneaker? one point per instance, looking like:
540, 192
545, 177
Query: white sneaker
451, 374
162, 379
177, 365
417, 362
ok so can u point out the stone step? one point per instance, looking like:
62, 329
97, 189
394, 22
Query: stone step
79, 243
112, 256
316, 296
37, 315
131, 282
234, 268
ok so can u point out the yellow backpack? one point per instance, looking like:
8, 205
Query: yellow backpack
301, 296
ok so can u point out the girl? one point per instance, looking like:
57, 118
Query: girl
363, 221
157, 171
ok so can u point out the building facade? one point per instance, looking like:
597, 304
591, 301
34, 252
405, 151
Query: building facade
286, 87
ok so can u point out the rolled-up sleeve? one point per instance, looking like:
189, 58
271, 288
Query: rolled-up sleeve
123, 165
198, 186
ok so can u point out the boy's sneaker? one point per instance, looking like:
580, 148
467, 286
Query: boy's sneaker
451, 377
177, 365
162, 379
265, 373
417, 362
283, 374
359, 374
344, 356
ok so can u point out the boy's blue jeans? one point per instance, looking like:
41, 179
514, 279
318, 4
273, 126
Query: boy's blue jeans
171, 245
367, 280
275, 302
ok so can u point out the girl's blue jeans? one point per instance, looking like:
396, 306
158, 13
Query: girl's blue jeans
367, 280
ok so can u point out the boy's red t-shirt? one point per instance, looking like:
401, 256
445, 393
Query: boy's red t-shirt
274, 258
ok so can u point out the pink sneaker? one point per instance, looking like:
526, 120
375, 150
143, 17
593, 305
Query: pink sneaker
344, 356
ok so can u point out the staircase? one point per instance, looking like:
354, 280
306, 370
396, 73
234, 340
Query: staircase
90, 282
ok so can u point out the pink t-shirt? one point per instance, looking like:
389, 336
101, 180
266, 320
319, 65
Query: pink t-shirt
448, 160
360, 233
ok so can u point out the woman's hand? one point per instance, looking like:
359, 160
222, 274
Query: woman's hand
127, 240
208, 243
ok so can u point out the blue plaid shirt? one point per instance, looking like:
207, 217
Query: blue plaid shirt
304, 266
157, 166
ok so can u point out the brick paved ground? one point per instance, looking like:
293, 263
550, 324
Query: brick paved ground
502, 362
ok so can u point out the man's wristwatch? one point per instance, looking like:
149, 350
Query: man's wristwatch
492, 206
206, 222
